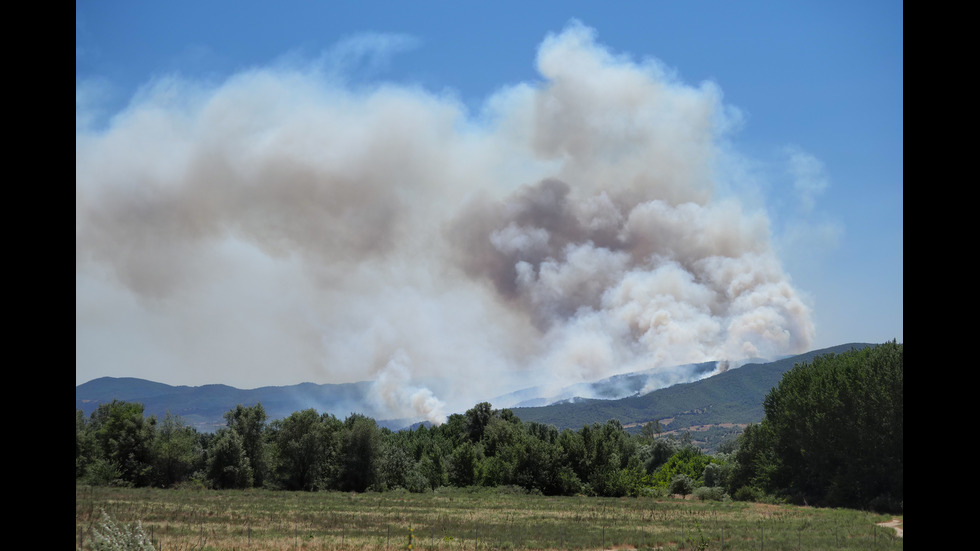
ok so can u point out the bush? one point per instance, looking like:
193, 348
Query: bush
717, 474
416, 482
102, 472
710, 493
688, 461
681, 484
886, 504
569, 483
197, 481
109, 535
747, 493
654, 492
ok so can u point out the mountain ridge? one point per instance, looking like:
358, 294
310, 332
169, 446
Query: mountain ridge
731, 397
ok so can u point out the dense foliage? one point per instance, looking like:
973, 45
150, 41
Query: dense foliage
832, 435
310, 451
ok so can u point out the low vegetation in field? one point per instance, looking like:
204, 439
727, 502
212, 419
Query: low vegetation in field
466, 518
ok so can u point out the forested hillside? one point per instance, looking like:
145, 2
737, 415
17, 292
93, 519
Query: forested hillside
733, 397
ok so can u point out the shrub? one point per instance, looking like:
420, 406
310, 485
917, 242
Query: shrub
102, 472
197, 481
747, 493
569, 483
688, 461
654, 492
108, 535
717, 474
416, 482
681, 484
886, 504
710, 493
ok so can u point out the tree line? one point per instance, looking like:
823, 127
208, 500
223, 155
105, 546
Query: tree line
789, 455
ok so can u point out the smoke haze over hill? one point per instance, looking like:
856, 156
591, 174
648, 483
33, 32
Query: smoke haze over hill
289, 226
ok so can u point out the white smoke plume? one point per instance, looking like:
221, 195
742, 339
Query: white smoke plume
395, 393
284, 224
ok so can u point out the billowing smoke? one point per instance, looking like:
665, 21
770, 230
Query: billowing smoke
285, 226
393, 391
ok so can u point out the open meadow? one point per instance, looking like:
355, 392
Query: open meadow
460, 519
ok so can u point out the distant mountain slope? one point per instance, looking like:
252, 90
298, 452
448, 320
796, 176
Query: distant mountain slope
204, 406
734, 396
611, 388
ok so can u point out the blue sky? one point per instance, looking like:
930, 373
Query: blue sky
811, 95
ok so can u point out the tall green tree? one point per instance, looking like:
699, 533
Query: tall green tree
85, 445
477, 419
651, 430
177, 451
397, 468
835, 430
464, 464
659, 451
754, 461
227, 464
125, 439
360, 454
535, 466
250, 425
307, 450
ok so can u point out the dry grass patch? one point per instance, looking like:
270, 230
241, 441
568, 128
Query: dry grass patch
467, 519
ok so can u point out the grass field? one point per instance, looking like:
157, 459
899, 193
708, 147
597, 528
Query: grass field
462, 519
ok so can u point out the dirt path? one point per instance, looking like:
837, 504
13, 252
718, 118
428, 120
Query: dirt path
894, 523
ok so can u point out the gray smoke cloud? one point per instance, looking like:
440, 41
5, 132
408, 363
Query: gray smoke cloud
283, 226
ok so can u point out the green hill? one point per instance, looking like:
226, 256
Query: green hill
715, 406
204, 406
